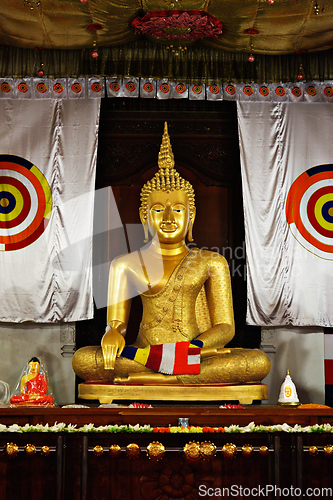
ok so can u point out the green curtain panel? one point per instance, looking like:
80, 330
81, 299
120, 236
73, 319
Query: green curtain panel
142, 58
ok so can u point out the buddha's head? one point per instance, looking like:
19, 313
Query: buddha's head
167, 200
34, 365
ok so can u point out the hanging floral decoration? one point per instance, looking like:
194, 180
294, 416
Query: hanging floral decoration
95, 27
178, 25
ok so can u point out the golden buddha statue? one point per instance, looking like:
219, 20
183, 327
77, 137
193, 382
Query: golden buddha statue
187, 308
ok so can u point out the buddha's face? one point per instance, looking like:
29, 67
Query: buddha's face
168, 215
33, 367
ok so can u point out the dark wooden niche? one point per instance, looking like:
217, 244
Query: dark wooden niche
204, 138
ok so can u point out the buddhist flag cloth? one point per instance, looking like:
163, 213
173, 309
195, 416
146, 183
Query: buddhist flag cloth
48, 152
177, 358
287, 173
328, 364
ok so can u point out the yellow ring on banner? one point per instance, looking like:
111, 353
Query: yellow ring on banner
318, 211
46, 188
18, 199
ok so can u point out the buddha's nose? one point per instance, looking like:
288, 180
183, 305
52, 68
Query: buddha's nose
168, 213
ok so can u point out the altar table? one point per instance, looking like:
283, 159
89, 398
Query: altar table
74, 470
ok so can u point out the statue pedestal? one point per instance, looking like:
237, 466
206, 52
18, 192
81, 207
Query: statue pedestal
106, 392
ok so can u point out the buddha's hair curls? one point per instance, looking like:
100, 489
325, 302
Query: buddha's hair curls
166, 178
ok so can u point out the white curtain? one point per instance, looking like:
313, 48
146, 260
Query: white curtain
48, 154
287, 173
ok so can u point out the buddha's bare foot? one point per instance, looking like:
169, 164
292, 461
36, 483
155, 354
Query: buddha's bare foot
146, 379
206, 352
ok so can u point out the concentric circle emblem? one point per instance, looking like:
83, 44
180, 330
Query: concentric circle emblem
5, 87
180, 88
309, 210
76, 87
165, 88
296, 91
197, 89
328, 91
247, 90
280, 91
230, 89
130, 86
58, 88
311, 90
214, 89
148, 87
264, 91
41, 87
22, 87
114, 86
25, 203
96, 87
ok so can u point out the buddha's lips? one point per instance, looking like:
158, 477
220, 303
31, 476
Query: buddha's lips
169, 228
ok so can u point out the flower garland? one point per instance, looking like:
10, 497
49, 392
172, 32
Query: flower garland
232, 429
178, 24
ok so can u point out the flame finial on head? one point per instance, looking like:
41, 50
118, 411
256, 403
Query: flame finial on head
165, 156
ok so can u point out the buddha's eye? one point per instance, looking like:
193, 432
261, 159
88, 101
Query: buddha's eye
178, 208
158, 209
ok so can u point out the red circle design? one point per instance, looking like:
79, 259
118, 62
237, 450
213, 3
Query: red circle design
165, 88
230, 89
280, 91
26, 198
296, 91
76, 87
311, 90
197, 89
37, 226
130, 86
180, 88
148, 87
96, 87
114, 86
264, 91
311, 213
214, 89
41, 87
295, 195
248, 90
23, 87
58, 88
5, 87
328, 91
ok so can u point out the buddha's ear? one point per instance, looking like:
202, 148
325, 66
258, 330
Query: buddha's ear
144, 222
190, 225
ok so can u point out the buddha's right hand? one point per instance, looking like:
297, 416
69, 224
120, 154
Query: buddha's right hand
113, 344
